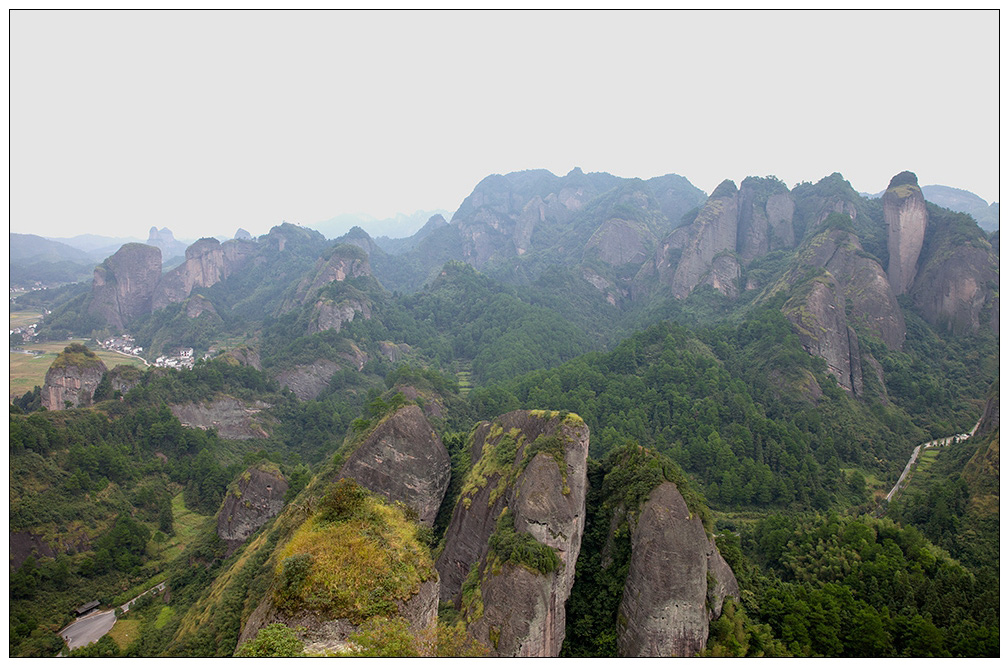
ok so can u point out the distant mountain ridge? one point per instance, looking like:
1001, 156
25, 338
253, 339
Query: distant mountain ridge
987, 216
399, 226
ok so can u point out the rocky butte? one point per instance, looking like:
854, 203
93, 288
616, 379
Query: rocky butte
906, 219
676, 584
515, 534
72, 378
404, 460
124, 284
255, 497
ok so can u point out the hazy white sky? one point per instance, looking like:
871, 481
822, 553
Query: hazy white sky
205, 122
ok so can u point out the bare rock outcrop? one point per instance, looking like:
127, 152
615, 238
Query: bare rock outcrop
619, 242
231, 417
906, 218
954, 286
331, 315
404, 460
71, 380
343, 262
714, 231
765, 218
124, 284
667, 600
253, 499
308, 381
528, 481
816, 311
207, 262
124, 378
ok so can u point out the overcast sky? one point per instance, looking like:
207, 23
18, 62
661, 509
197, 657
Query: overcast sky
205, 122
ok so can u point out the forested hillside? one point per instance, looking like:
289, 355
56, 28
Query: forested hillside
740, 377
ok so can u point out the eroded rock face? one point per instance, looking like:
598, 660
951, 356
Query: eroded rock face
124, 284
404, 460
714, 231
817, 314
232, 418
667, 604
124, 378
521, 610
72, 379
866, 289
906, 218
724, 274
764, 222
952, 289
619, 242
207, 262
256, 496
344, 262
308, 381
330, 315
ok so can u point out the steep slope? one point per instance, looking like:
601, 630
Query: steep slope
404, 460
124, 285
677, 581
906, 218
956, 288
513, 542
207, 262
251, 501
72, 378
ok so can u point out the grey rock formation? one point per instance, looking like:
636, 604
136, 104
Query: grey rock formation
817, 313
404, 460
620, 241
331, 315
231, 417
954, 286
124, 284
207, 262
250, 502
308, 381
714, 231
906, 219
667, 604
72, 379
522, 610
124, 378
242, 234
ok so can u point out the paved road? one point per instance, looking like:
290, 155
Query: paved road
930, 444
90, 628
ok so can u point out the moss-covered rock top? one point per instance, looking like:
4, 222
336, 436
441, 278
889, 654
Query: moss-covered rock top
79, 356
355, 558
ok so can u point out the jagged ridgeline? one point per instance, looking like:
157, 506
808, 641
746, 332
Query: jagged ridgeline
585, 416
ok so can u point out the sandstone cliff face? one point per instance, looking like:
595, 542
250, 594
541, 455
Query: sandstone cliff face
256, 496
817, 313
667, 604
906, 218
866, 289
714, 231
619, 242
954, 287
308, 381
232, 418
72, 378
124, 284
124, 378
345, 261
404, 460
533, 465
207, 262
764, 220
331, 315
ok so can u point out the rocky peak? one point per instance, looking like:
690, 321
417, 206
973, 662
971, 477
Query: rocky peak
124, 284
255, 497
72, 378
668, 600
404, 460
765, 215
207, 262
525, 492
906, 219
242, 234
714, 231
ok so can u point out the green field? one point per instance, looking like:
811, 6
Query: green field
187, 526
28, 371
125, 631
24, 318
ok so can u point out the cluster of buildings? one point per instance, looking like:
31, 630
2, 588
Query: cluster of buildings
179, 359
26, 333
122, 344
